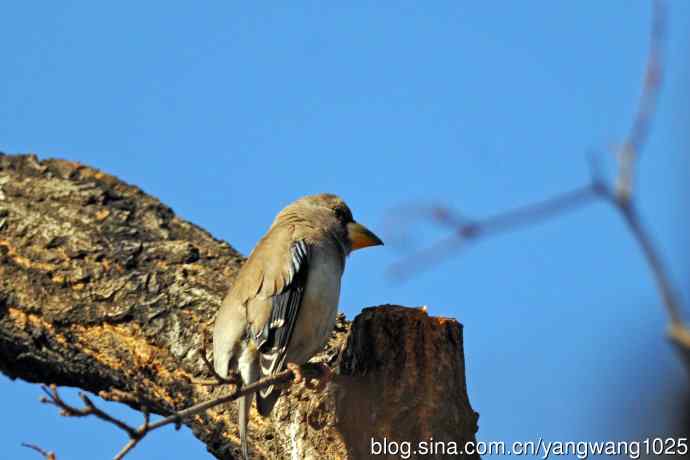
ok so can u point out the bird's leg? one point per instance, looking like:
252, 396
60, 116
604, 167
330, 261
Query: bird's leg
324, 379
297, 370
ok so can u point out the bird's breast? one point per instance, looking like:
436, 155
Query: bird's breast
319, 307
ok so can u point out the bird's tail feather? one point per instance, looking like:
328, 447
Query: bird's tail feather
245, 404
249, 370
264, 404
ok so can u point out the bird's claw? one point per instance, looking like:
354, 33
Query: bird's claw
297, 371
312, 383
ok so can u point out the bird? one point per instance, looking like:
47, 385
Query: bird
283, 304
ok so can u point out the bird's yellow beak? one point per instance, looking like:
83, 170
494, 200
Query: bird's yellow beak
361, 237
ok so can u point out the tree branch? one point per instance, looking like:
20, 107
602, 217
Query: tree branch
639, 132
102, 287
620, 196
138, 433
44, 453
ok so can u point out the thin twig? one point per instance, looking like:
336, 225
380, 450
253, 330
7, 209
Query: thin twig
620, 196
639, 132
530, 214
498, 223
67, 410
671, 302
46, 454
136, 434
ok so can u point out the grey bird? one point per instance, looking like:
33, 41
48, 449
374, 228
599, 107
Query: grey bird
283, 304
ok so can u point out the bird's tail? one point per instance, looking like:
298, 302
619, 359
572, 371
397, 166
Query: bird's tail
249, 370
245, 404
265, 402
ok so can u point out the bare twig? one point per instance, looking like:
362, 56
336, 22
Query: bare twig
639, 131
663, 280
620, 196
46, 454
499, 223
53, 398
136, 434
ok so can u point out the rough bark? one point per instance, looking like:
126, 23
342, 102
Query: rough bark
102, 287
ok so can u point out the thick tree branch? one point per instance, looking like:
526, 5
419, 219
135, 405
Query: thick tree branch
102, 287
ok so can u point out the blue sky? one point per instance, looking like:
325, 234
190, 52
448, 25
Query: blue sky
228, 111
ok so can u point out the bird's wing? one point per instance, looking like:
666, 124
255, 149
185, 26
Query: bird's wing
263, 305
269, 290
271, 284
274, 338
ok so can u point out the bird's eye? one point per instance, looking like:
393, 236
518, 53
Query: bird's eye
343, 215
